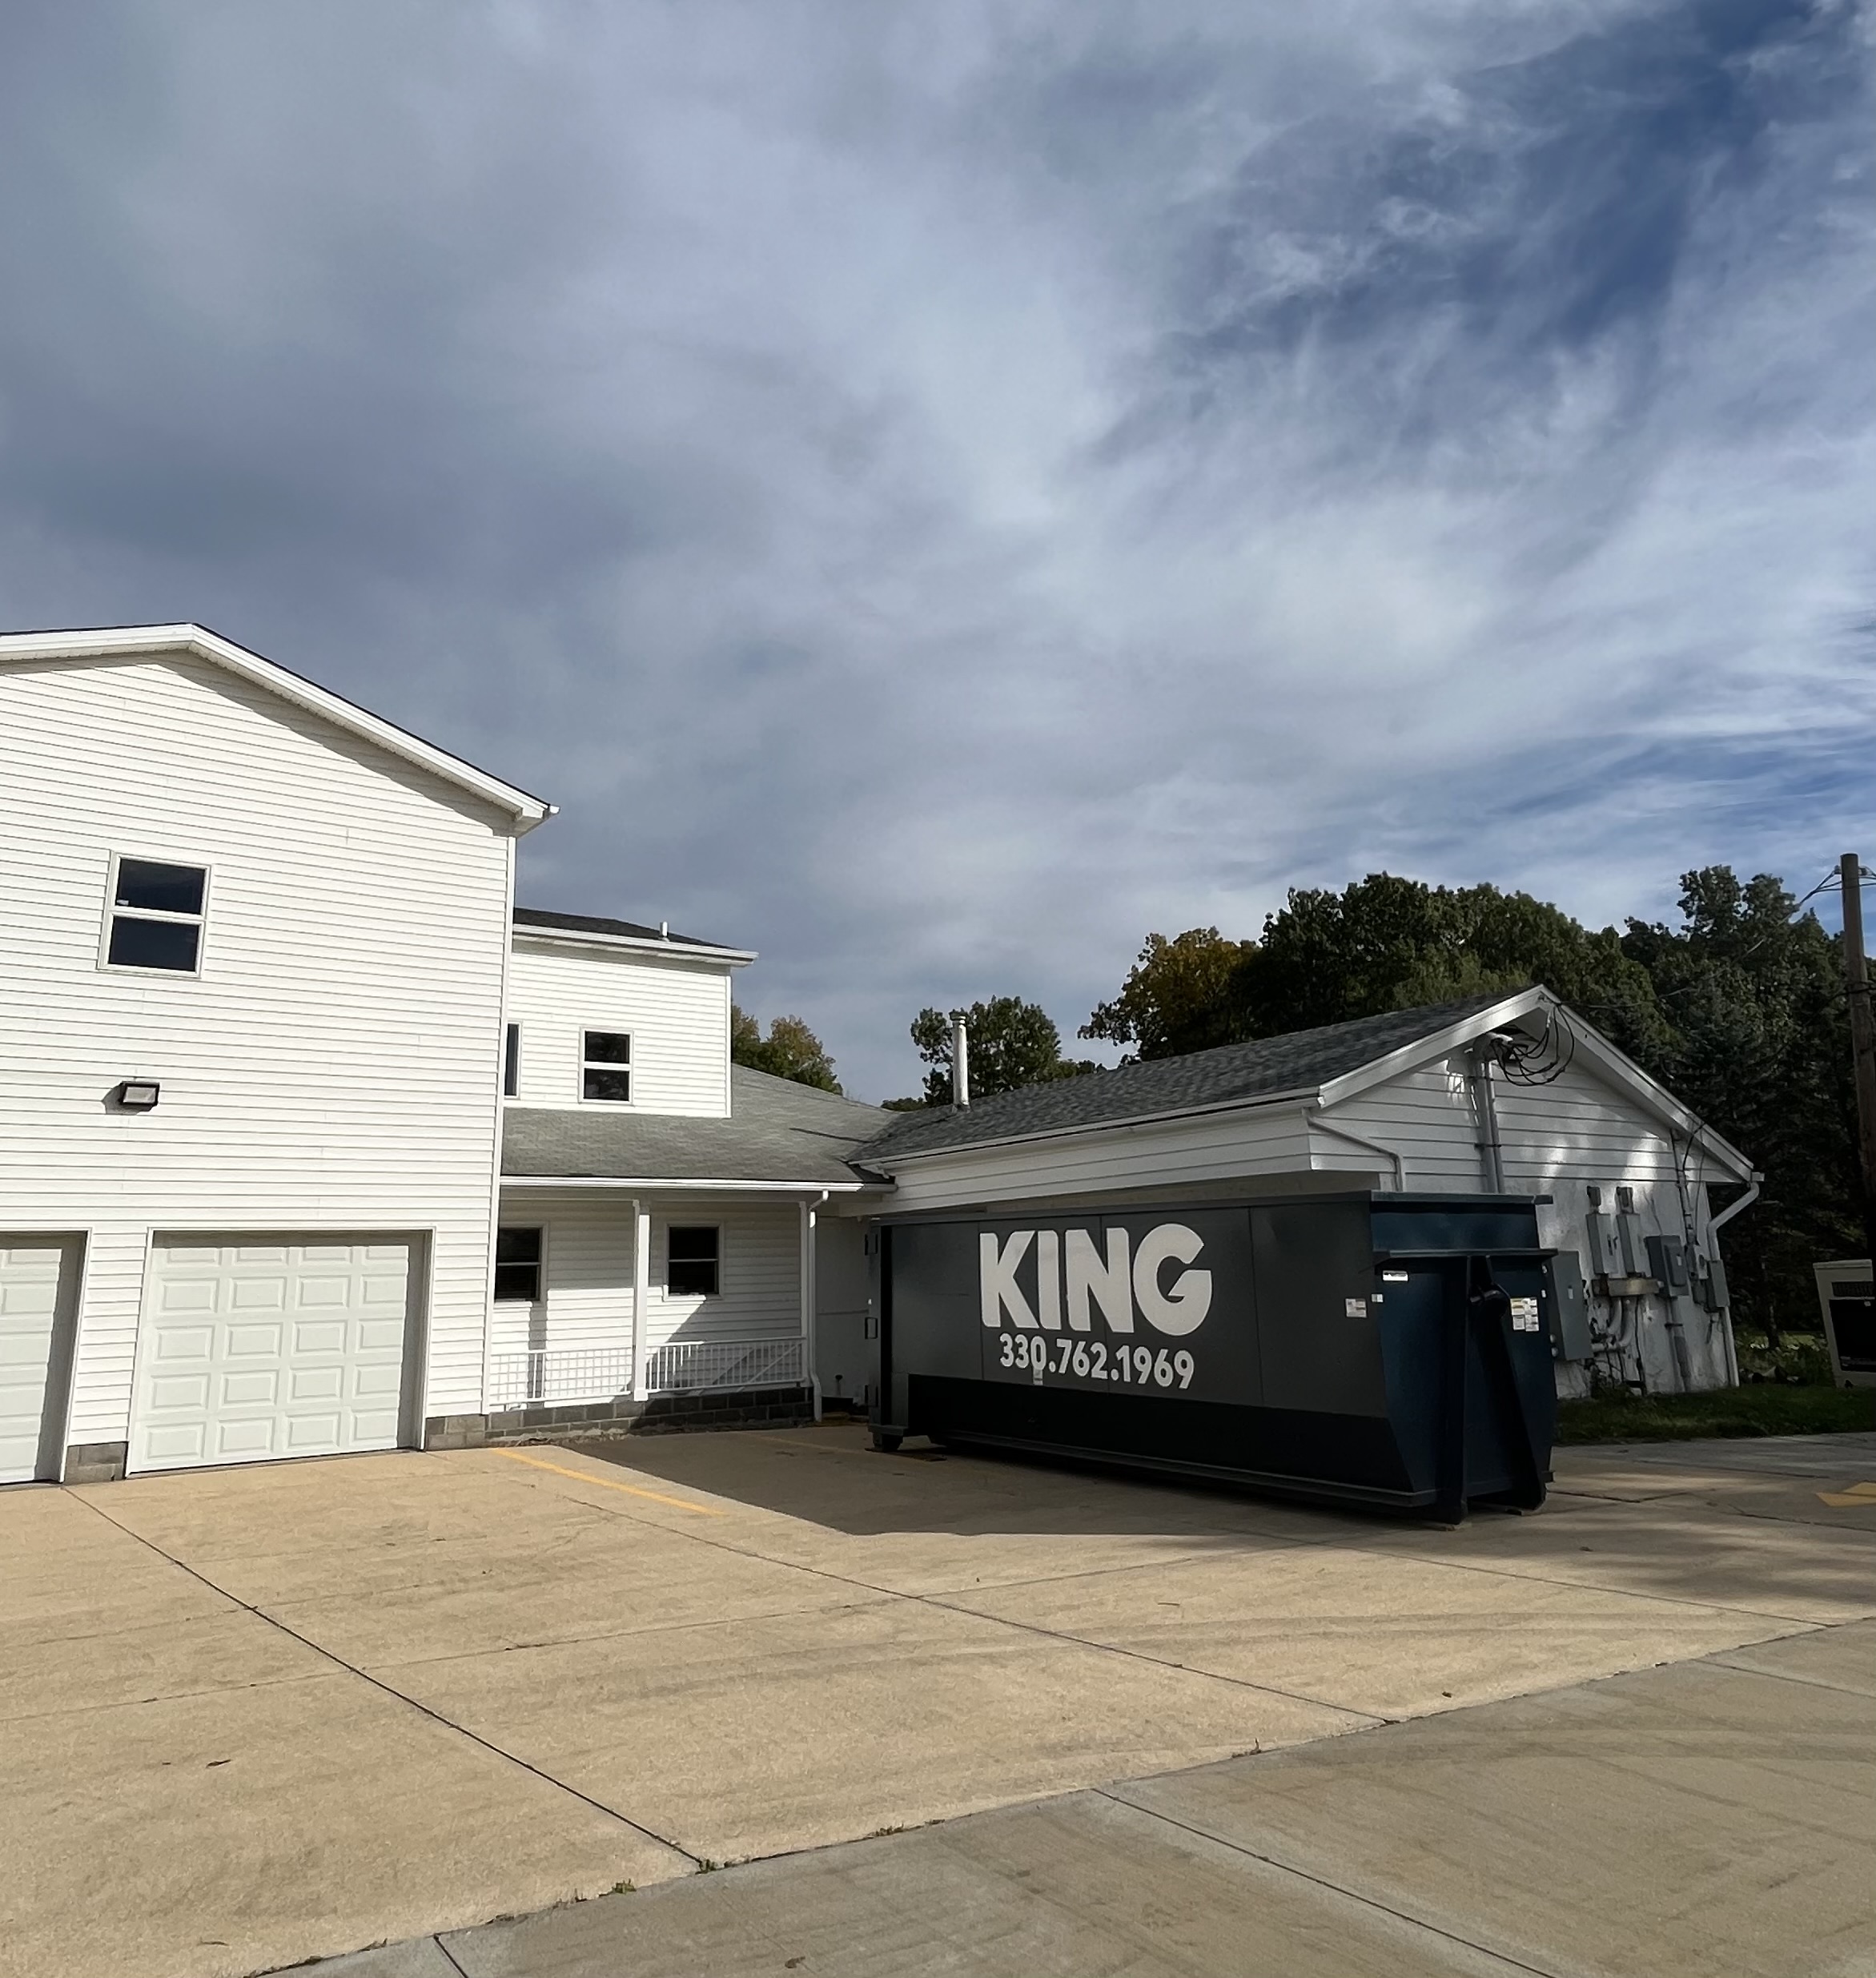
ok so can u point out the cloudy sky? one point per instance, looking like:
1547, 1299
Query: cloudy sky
935, 491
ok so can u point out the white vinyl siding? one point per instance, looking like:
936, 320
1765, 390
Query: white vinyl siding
1196, 1153
676, 1012
1577, 1126
337, 1064
588, 1272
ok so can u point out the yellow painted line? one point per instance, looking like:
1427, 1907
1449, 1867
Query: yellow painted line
606, 1483
1863, 1494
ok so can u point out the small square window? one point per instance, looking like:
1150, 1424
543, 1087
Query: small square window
156, 916
692, 1258
605, 1065
517, 1266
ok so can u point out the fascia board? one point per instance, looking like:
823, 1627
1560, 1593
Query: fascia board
1617, 1068
638, 944
1133, 1124
650, 1182
1426, 1050
1622, 1072
129, 642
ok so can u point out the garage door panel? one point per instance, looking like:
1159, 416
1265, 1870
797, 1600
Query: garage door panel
180, 1295
186, 1392
316, 1435
250, 1390
264, 1389
34, 1277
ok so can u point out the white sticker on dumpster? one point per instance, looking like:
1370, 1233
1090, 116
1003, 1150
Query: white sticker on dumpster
1355, 1308
1524, 1315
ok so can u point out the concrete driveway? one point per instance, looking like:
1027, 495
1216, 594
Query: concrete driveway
256, 1716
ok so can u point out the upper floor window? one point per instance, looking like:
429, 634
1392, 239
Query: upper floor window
156, 916
605, 1065
510, 1062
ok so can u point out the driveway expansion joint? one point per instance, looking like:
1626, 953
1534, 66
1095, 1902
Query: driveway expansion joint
390, 1690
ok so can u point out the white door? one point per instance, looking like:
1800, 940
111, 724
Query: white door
255, 1349
32, 1279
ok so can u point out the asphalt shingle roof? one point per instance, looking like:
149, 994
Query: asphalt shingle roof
778, 1131
525, 917
1299, 1061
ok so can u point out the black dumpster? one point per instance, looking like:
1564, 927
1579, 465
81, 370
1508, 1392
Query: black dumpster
1390, 1349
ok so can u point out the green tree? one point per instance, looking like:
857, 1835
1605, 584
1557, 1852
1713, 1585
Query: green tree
1389, 944
1177, 998
1759, 1048
1740, 1012
1012, 1043
790, 1050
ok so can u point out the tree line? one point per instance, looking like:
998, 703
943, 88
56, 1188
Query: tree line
1739, 1010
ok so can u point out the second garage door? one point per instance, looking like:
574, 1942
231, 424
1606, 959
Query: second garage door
258, 1348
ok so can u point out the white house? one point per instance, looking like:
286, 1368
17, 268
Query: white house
266, 1002
1498, 1093
311, 1141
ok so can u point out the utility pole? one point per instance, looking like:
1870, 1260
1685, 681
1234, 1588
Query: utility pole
1862, 1038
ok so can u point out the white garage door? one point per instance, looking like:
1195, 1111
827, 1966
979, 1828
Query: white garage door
255, 1350
32, 1278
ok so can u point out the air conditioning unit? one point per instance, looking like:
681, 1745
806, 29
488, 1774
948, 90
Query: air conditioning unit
1848, 1297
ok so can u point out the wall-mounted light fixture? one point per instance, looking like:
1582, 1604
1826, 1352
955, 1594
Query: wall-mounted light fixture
137, 1095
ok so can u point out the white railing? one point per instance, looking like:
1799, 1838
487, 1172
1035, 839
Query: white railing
688, 1366
547, 1378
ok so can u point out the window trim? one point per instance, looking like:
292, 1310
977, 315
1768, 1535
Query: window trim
629, 1068
199, 921
669, 1228
511, 1060
540, 1298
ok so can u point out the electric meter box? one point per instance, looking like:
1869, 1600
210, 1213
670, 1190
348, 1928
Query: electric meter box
1847, 1294
1390, 1349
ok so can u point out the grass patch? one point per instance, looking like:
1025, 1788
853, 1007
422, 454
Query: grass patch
1770, 1409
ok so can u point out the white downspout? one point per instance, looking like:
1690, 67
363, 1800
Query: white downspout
1712, 1230
809, 1216
641, 1281
1313, 1118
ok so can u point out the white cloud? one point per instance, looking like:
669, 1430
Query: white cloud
936, 492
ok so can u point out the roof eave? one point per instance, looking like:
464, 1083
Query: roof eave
1292, 1096
636, 944
128, 642
1616, 1066
720, 1185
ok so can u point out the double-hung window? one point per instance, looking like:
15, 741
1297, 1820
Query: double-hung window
694, 1261
605, 1065
156, 916
517, 1266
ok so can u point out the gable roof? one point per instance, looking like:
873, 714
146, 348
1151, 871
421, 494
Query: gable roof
1319, 1068
779, 1132
542, 923
196, 642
